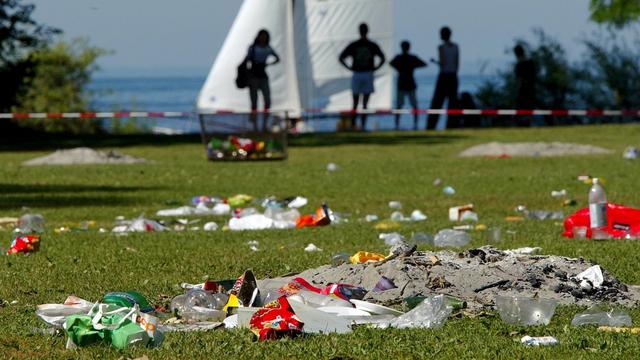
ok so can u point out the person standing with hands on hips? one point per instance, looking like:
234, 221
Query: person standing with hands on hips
447, 85
362, 53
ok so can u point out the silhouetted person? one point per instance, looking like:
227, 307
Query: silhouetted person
447, 85
466, 102
406, 64
258, 56
362, 53
525, 71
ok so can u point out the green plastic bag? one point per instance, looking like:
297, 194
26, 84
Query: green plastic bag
121, 327
80, 330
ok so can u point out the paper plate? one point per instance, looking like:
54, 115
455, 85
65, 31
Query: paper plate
344, 311
375, 308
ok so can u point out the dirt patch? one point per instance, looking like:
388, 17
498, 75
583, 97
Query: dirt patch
532, 149
82, 156
465, 274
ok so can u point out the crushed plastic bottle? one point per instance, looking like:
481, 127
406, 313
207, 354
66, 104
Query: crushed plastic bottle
391, 239
539, 340
596, 315
31, 223
431, 313
451, 238
341, 258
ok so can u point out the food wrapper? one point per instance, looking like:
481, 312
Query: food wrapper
296, 285
276, 320
362, 257
320, 218
24, 244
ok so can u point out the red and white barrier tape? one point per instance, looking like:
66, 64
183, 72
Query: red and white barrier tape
463, 112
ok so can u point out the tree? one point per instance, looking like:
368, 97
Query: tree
617, 13
56, 81
38, 75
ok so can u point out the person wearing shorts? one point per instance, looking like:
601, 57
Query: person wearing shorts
405, 64
363, 53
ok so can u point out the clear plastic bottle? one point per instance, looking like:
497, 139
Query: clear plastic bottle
598, 210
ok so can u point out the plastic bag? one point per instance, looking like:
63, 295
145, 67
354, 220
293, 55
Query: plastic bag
431, 313
595, 315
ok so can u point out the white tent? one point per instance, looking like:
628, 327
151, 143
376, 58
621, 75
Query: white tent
309, 36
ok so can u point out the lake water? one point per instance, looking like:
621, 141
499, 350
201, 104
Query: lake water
178, 93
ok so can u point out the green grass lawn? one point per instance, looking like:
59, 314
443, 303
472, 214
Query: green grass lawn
374, 169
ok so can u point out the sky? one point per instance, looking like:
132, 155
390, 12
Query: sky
177, 36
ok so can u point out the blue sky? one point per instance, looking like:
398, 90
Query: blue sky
185, 35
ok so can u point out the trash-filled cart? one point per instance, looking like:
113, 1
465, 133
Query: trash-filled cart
248, 136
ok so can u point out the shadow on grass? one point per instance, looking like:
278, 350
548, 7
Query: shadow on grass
46, 141
16, 196
379, 138
68, 188
16, 202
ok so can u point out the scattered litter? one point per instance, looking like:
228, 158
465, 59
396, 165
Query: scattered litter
253, 245
437, 182
391, 239
524, 251
397, 205
453, 238
331, 167
595, 315
431, 313
449, 190
297, 202
210, 226
520, 310
418, 215
469, 216
362, 257
456, 212
312, 248
31, 223
384, 284
25, 244
137, 225
631, 153
591, 278
398, 216
422, 238
629, 330
539, 341
371, 218
559, 193
83, 155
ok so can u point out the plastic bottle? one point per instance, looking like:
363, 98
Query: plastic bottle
598, 210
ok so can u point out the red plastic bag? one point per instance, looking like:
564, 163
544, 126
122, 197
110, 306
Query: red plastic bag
621, 221
276, 320
24, 244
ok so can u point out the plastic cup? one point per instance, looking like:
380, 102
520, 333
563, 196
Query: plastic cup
520, 310
580, 232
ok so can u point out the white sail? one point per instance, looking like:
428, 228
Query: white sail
309, 35
329, 26
220, 92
